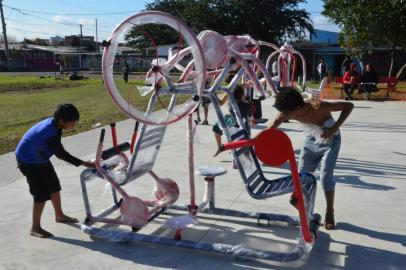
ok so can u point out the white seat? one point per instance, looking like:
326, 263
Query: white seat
210, 171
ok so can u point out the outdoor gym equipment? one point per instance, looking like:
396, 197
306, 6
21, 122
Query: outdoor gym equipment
280, 143
160, 81
286, 63
233, 53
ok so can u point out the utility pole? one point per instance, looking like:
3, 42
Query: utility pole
81, 35
4, 31
80, 44
97, 38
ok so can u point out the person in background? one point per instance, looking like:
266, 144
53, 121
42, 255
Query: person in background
322, 69
205, 104
350, 81
61, 65
369, 80
126, 71
231, 120
345, 65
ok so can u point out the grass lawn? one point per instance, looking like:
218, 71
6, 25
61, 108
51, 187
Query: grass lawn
18, 83
21, 109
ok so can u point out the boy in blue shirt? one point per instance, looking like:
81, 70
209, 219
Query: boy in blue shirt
33, 155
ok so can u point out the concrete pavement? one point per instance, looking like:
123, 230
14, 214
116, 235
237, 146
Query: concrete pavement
370, 202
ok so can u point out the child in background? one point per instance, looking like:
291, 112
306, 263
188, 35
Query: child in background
205, 104
245, 111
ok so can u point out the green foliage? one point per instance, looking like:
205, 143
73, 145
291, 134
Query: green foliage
368, 23
141, 37
268, 20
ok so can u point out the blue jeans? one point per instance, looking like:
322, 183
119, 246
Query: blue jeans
325, 152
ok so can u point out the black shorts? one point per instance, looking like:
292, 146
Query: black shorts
205, 101
42, 180
216, 129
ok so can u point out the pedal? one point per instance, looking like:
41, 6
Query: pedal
315, 224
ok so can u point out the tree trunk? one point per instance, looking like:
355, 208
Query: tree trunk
400, 72
392, 60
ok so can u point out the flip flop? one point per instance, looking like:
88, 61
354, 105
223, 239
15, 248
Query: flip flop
67, 219
44, 234
329, 223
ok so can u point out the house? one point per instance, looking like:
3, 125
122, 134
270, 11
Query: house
324, 44
57, 40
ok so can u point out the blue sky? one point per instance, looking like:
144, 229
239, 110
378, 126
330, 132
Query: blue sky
46, 18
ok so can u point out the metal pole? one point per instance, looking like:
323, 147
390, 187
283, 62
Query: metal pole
192, 207
81, 35
4, 32
97, 38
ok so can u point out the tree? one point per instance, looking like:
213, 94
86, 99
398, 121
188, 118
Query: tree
36, 41
268, 20
369, 23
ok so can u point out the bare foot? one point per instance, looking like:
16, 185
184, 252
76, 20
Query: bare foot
217, 152
41, 233
66, 219
329, 223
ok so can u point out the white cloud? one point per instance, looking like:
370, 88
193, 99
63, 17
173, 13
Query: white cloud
323, 23
70, 20
62, 19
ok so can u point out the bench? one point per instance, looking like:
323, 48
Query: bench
390, 83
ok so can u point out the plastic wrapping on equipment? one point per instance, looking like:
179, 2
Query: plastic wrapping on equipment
181, 222
239, 251
214, 48
134, 212
195, 138
239, 43
166, 191
109, 165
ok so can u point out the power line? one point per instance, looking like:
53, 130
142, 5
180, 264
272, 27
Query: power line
74, 25
70, 14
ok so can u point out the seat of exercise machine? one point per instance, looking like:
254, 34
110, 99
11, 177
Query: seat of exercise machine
210, 171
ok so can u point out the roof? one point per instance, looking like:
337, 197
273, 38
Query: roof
323, 36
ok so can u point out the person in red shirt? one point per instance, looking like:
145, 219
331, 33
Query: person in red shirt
350, 81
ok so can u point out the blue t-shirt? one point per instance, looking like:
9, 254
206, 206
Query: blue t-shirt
42, 141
